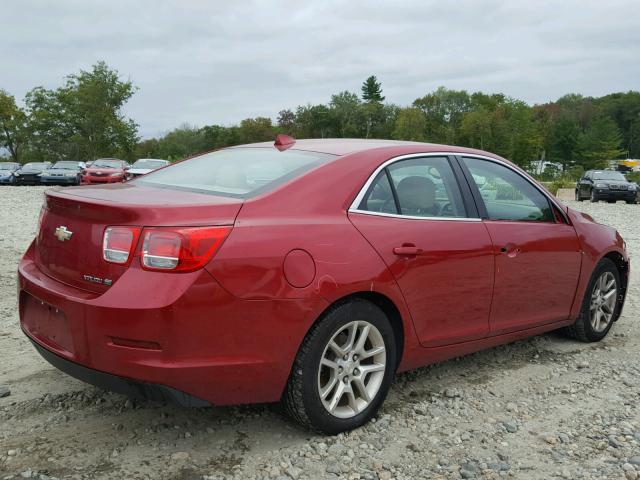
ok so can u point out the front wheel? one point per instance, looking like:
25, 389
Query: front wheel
343, 370
593, 197
600, 306
578, 196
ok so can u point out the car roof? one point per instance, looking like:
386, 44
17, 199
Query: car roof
346, 146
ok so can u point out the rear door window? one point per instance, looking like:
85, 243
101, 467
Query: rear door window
420, 187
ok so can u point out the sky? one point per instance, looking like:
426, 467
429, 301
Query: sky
218, 62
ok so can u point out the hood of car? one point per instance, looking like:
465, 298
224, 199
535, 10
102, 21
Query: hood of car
141, 171
29, 170
104, 170
59, 171
612, 182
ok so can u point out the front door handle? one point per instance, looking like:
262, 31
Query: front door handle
407, 250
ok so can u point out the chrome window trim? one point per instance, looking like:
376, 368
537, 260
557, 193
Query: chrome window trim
363, 191
411, 217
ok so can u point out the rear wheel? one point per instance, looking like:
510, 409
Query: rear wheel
343, 370
600, 306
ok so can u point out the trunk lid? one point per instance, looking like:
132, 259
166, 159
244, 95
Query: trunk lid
86, 212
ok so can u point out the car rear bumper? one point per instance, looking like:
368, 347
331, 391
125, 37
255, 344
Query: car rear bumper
182, 331
114, 383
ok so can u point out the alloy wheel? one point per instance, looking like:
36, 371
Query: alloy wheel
603, 302
352, 369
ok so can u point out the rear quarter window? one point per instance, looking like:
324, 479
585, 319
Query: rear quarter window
236, 172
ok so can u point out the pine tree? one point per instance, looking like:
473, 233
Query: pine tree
372, 90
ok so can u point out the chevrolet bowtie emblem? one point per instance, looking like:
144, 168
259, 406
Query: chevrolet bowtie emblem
62, 233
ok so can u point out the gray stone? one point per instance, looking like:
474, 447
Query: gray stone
4, 391
510, 426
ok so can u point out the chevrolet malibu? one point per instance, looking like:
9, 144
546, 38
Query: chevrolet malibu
309, 272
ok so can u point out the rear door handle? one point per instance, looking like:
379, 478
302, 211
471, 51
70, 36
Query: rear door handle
510, 250
408, 250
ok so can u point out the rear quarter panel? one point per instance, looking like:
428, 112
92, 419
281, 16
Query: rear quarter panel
311, 215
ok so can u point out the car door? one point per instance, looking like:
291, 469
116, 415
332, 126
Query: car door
426, 229
537, 253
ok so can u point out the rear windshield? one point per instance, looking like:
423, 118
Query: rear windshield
236, 172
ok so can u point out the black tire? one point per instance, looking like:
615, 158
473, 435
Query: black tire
301, 399
582, 329
578, 196
593, 197
632, 202
611, 201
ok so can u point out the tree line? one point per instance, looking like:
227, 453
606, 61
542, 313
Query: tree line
83, 119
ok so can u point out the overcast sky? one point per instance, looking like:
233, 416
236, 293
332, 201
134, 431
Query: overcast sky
205, 62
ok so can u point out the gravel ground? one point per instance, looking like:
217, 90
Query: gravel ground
541, 408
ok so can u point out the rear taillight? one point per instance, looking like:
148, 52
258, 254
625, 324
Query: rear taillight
180, 249
118, 244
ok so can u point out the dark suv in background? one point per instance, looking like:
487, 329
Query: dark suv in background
606, 185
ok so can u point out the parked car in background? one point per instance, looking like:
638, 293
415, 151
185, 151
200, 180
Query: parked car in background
30, 173
146, 165
607, 185
64, 172
6, 171
309, 272
105, 170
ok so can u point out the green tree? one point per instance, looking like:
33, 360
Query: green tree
372, 90
83, 119
259, 129
13, 126
599, 142
287, 120
563, 142
443, 110
347, 114
410, 124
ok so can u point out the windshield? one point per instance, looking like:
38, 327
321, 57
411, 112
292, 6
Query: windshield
107, 164
609, 176
8, 166
149, 164
34, 166
236, 172
67, 166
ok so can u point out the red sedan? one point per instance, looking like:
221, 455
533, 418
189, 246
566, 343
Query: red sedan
309, 272
105, 170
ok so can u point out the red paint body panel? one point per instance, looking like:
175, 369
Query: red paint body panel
456, 263
229, 333
537, 275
